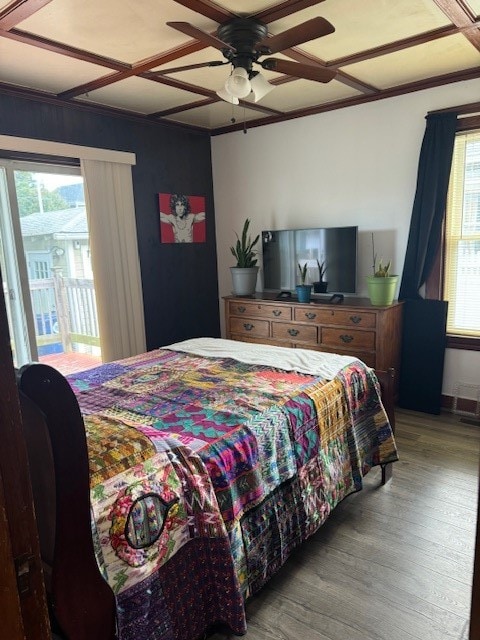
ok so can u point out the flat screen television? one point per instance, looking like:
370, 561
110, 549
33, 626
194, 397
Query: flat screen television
284, 249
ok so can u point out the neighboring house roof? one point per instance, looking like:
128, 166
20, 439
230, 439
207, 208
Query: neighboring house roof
58, 223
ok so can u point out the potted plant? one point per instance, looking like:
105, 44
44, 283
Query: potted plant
304, 291
382, 285
321, 285
244, 274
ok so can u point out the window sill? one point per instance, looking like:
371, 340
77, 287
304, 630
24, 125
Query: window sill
463, 342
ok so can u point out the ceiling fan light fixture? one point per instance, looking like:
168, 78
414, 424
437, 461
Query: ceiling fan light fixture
225, 95
238, 84
260, 86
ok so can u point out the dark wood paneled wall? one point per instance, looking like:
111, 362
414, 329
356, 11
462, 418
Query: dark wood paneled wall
180, 287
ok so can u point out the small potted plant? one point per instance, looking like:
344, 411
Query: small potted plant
304, 291
382, 285
244, 274
320, 286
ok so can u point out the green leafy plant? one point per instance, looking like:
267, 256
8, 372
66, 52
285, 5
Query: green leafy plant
321, 270
382, 271
243, 250
303, 272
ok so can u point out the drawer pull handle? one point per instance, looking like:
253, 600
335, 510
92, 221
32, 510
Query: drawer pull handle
277, 313
310, 315
293, 332
356, 319
248, 326
346, 338
241, 309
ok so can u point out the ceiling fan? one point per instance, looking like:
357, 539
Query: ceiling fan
243, 41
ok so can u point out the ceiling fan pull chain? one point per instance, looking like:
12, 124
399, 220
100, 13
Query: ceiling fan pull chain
244, 119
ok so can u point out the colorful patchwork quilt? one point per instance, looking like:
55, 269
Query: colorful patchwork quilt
207, 471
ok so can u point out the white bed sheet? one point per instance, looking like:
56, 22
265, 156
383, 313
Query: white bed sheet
307, 361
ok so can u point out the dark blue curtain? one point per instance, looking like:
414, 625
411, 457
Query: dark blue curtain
424, 321
429, 204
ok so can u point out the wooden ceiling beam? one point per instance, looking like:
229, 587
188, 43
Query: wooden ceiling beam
461, 15
428, 83
135, 70
86, 56
19, 10
261, 108
344, 78
284, 9
64, 49
207, 9
187, 107
219, 14
355, 83
411, 87
457, 12
179, 84
208, 102
393, 47
208, 93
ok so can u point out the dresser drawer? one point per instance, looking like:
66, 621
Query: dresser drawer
296, 332
347, 338
250, 327
259, 340
307, 314
368, 357
344, 317
258, 310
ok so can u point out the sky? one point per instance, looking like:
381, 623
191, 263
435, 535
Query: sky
53, 180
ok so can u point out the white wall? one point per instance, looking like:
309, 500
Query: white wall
354, 166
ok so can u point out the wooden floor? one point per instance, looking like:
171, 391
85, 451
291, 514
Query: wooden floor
392, 562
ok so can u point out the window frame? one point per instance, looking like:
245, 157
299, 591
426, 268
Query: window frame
435, 281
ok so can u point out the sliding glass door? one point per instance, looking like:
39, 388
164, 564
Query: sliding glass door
45, 260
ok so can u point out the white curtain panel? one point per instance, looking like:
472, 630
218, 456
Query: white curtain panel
115, 261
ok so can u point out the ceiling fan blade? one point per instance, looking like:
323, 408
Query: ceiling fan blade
188, 67
314, 28
189, 30
307, 71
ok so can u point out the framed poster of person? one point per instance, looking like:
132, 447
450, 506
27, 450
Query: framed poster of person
182, 218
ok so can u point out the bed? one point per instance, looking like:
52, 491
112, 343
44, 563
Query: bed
169, 487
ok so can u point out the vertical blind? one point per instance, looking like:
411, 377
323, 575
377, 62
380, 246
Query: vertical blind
462, 238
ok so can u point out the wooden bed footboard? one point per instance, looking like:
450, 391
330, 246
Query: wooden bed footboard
81, 602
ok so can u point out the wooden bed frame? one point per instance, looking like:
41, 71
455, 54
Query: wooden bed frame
81, 602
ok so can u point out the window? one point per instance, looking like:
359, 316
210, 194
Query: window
108, 174
462, 238
45, 264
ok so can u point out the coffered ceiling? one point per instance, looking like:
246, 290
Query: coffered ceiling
103, 52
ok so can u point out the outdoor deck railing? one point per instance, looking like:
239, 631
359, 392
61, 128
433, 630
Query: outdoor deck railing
65, 311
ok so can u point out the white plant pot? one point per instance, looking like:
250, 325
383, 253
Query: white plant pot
244, 281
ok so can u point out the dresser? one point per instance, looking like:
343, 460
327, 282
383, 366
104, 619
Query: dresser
354, 327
